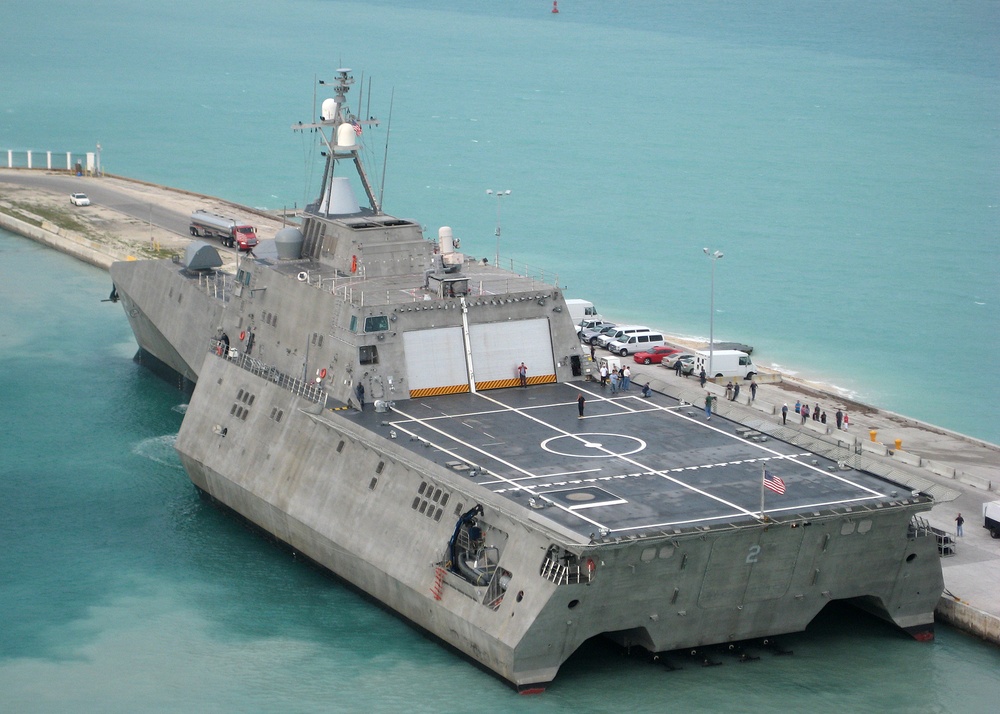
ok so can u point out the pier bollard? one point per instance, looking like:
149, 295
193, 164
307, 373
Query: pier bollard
873, 433
899, 444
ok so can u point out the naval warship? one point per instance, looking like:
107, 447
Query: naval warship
357, 395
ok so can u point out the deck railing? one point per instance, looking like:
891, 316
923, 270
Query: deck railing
306, 390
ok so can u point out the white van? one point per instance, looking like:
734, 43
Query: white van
623, 331
725, 363
636, 343
582, 310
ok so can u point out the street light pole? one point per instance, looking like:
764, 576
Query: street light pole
499, 194
714, 255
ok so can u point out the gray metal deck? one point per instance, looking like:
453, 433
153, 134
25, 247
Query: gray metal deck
631, 466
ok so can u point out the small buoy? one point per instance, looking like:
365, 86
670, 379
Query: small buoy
243, 335
555, 7
354, 263
303, 276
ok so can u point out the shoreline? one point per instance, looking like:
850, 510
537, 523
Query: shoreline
965, 468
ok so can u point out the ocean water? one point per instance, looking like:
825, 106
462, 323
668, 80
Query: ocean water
842, 155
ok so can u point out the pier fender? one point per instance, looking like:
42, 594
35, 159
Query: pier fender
303, 276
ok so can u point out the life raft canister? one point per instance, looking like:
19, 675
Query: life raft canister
354, 263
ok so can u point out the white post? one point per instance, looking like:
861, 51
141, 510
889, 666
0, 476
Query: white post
29, 158
48, 160
10, 158
69, 161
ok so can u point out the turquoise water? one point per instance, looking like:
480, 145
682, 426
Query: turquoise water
843, 156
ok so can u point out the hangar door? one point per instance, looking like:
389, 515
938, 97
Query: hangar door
436, 362
499, 347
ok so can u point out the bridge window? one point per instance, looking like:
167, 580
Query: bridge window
376, 323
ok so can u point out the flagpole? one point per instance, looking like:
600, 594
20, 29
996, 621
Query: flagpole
763, 471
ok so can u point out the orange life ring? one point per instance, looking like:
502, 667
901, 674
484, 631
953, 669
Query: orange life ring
322, 374
354, 263
243, 335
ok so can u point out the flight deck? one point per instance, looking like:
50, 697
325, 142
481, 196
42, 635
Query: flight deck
630, 466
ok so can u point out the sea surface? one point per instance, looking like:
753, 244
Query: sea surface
844, 156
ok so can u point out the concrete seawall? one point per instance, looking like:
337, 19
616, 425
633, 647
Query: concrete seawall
52, 236
961, 472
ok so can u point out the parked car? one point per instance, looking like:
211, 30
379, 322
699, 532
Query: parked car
685, 358
637, 342
590, 336
590, 324
79, 199
619, 333
655, 355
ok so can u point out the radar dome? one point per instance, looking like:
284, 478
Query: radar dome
329, 110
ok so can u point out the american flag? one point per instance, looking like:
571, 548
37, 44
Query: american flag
773, 482
357, 128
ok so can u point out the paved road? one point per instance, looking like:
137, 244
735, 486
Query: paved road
105, 193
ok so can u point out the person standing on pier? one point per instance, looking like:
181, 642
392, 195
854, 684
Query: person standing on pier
784, 413
840, 419
626, 378
729, 391
522, 373
703, 377
580, 401
708, 404
736, 391
753, 390
959, 522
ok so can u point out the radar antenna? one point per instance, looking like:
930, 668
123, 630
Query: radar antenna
341, 144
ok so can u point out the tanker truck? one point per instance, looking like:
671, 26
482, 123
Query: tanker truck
227, 230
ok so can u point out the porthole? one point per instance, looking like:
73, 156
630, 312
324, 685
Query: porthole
648, 554
416, 502
865, 525
437, 516
250, 403
847, 528
422, 487
239, 395
423, 506
911, 557
373, 483
520, 595
381, 465
340, 446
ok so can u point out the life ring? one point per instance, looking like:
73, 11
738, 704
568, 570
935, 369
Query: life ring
354, 263
243, 335
322, 374
303, 276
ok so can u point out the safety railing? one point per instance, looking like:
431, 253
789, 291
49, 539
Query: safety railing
560, 574
306, 390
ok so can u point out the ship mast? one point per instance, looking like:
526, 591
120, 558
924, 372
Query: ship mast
341, 144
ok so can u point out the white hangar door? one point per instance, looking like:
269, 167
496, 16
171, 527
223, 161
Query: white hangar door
499, 347
435, 361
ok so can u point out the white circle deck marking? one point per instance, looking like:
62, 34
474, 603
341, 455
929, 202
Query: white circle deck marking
612, 445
